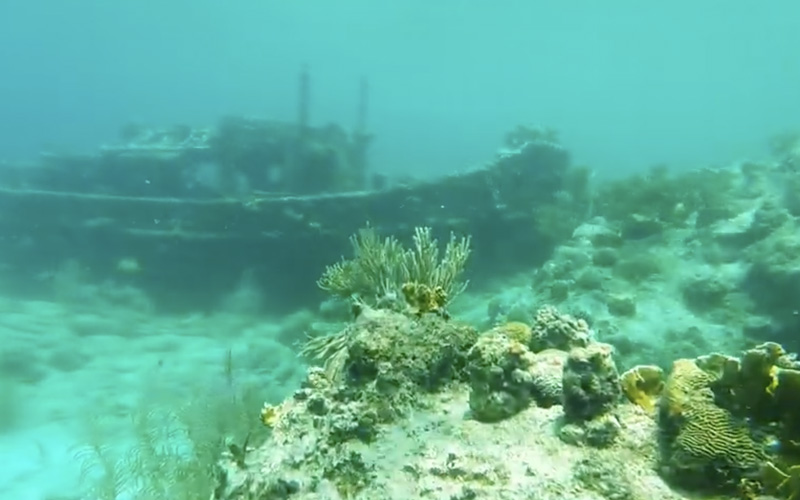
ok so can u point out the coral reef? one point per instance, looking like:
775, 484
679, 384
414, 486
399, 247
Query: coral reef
395, 426
500, 381
422, 299
650, 204
411, 404
506, 376
382, 272
386, 429
726, 421
642, 385
702, 440
427, 350
547, 373
591, 382
388, 361
591, 393
670, 270
552, 330
523, 134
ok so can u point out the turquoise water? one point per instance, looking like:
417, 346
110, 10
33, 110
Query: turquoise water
627, 85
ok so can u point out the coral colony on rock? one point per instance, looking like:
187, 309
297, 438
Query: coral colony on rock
408, 403
620, 340
633, 377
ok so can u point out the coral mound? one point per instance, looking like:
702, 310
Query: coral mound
440, 454
382, 430
417, 406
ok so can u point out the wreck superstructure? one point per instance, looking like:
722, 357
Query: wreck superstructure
189, 211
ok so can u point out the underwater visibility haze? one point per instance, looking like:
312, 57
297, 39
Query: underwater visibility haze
399, 250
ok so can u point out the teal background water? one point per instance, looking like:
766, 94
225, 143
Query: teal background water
627, 83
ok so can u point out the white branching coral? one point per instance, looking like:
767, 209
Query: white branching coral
381, 267
383, 274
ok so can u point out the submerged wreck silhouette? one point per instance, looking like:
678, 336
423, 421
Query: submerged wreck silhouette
190, 210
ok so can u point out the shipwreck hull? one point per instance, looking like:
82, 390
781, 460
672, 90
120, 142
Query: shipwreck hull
191, 252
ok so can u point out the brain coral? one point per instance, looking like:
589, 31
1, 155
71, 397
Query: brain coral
547, 371
699, 435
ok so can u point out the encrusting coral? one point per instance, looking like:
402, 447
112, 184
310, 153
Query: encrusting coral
514, 330
591, 382
514, 365
553, 330
423, 299
500, 381
547, 373
591, 395
642, 385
